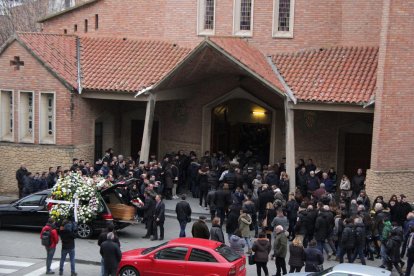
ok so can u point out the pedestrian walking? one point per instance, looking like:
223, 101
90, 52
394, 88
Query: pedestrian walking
313, 258
244, 225
347, 241
216, 234
261, 248
67, 235
159, 218
237, 243
200, 229
280, 250
360, 240
49, 238
111, 253
183, 211
296, 255
103, 237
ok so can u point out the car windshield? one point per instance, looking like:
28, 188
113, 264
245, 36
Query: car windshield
321, 272
150, 249
227, 253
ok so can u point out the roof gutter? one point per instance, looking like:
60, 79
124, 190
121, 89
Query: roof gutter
144, 91
78, 59
289, 92
370, 102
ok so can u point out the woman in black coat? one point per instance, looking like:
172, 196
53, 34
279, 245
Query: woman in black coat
233, 219
297, 255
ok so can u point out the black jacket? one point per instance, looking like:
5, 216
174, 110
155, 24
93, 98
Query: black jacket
222, 199
297, 255
360, 235
149, 207
216, 234
111, 254
183, 211
210, 199
313, 256
265, 197
393, 246
261, 249
232, 223
322, 226
159, 212
67, 236
348, 237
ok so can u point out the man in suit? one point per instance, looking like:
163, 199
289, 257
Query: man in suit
159, 218
183, 211
148, 209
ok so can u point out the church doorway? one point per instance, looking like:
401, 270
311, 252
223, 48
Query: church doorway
137, 129
241, 125
357, 152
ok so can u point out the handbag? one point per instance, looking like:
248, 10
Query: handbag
251, 259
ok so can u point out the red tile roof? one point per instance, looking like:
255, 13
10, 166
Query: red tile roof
111, 64
339, 74
58, 52
250, 56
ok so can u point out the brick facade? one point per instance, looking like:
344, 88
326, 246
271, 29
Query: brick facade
317, 24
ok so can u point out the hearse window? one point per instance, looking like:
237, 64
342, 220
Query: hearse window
33, 200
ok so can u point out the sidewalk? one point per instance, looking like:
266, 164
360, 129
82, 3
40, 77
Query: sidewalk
195, 207
4, 199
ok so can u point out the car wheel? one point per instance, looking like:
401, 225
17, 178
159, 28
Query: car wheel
84, 231
128, 271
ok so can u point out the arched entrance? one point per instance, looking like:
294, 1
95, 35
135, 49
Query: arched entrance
241, 125
251, 123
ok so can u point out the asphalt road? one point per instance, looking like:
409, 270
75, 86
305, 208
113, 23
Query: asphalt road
23, 245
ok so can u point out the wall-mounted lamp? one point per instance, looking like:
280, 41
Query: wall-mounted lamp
258, 113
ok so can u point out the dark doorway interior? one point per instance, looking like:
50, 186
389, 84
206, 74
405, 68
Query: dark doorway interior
235, 127
137, 129
98, 140
357, 152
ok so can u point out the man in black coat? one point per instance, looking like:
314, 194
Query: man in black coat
322, 228
111, 254
20, 173
103, 236
183, 211
148, 209
159, 218
200, 229
222, 201
358, 182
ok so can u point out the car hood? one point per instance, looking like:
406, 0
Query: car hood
132, 253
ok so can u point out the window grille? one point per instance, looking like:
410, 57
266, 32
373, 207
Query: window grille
50, 114
284, 16
30, 113
11, 111
245, 15
209, 15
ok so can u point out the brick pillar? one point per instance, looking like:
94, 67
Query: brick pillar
392, 159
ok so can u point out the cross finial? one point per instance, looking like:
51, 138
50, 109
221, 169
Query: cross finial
16, 62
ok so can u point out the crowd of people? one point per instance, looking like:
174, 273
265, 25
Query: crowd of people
323, 216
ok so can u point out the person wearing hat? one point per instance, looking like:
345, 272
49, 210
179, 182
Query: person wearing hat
200, 229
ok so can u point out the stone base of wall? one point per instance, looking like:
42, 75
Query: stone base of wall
169, 146
387, 183
37, 158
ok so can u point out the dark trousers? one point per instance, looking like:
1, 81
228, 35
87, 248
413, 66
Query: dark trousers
410, 262
183, 224
203, 196
212, 213
150, 226
295, 269
155, 229
260, 266
110, 271
20, 191
292, 223
396, 265
342, 254
71, 253
280, 266
221, 214
50, 252
359, 251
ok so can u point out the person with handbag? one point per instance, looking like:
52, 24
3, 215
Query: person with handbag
261, 248
313, 258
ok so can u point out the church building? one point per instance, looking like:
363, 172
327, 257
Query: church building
330, 80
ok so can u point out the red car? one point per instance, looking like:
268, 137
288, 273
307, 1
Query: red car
183, 257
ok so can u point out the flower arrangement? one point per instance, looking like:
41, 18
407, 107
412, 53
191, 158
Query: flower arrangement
74, 186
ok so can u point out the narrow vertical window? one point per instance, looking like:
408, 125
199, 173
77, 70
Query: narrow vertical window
283, 18
243, 17
47, 127
86, 25
6, 111
65, 31
75, 28
206, 17
26, 117
96, 21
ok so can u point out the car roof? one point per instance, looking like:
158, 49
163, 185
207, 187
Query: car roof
360, 269
195, 242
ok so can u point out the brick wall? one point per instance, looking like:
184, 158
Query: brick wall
321, 23
387, 183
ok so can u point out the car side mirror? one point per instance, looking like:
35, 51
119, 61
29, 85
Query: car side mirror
151, 257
